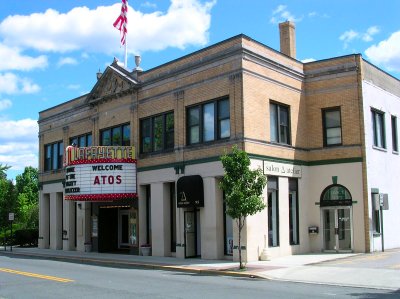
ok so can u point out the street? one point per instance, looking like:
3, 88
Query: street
35, 278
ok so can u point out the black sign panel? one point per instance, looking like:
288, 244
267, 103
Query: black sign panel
190, 192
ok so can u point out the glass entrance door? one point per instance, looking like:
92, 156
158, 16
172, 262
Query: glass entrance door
127, 231
337, 229
190, 234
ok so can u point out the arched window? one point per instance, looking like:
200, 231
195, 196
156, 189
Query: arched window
335, 195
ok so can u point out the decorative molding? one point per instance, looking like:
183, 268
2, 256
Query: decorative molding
234, 77
179, 94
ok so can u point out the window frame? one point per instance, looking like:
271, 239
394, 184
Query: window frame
85, 137
395, 139
53, 161
288, 130
325, 128
218, 119
374, 114
271, 225
166, 145
119, 128
294, 232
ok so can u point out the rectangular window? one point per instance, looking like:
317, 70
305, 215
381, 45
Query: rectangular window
293, 212
395, 142
157, 133
145, 125
331, 119
228, 231
119, 135
279, 123
208, 122
82, 140
173, 216
47, 159
378, 127
273, 212
54, 154
148, 214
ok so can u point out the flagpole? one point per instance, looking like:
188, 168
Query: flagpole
126, 54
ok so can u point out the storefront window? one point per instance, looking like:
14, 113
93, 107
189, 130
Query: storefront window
228, 231
273, 212
293, 212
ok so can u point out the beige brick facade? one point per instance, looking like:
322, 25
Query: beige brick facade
249, 74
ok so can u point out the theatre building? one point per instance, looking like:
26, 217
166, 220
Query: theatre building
142, 166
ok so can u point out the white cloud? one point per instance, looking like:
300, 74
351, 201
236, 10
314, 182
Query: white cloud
308, 60
149, 4
19, 143
281, 14
350, 35
367, 36
67, 60
12, 84
185, 23
12, 59
5, 104
73, 86
386, 53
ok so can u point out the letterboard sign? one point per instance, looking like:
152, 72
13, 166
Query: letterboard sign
100, 173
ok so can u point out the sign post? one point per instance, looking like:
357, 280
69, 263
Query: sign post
383, 205
11, 219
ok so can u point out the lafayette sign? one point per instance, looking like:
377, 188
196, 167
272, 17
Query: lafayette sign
282, 169
100, 173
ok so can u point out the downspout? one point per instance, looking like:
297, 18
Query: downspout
359, 63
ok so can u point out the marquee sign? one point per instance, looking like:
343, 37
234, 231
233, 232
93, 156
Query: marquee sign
100, 173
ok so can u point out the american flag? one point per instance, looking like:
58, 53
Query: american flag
121, 23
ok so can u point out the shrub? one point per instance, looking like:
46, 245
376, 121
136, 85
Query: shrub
25, 237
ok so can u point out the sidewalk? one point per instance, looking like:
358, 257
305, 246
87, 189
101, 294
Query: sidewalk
296, 268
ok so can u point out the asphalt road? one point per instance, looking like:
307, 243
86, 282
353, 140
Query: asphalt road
33, 278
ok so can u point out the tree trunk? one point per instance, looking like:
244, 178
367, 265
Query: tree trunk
241, 224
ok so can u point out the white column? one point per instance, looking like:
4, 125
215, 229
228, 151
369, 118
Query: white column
160, 220
56, 220
211, 221
253, 233
142, 216
69, 224
44, 219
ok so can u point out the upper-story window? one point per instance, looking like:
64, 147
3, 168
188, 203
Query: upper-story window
209, 121
120, 135
378, 127
54, 153
395, 141
157, 133
82, 140
332, 126
279, 123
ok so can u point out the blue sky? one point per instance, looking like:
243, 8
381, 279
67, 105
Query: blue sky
51, 50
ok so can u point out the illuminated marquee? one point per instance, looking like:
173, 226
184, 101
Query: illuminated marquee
100, 173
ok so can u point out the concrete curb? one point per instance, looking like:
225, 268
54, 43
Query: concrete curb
137, 265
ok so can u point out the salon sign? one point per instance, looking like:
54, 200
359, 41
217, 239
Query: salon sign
100, 173
282, 169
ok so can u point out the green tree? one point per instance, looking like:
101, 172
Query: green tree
7, 200
27, 186
243, 188
3, 169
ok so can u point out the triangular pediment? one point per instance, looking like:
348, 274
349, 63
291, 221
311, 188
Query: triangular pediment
114, 82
